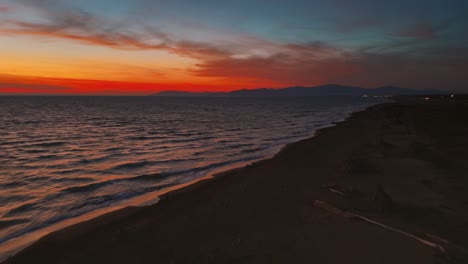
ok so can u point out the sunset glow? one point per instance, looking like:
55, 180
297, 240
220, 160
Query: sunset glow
140, 47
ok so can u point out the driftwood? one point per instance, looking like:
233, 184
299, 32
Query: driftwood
347, 214
336, 191
341, 190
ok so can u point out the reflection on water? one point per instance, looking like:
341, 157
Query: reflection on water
62, 157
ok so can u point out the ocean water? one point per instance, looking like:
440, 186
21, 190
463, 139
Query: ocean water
62, 157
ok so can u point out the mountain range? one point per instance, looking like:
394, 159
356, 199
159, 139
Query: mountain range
322, 90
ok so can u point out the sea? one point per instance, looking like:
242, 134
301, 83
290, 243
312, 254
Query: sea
65, 157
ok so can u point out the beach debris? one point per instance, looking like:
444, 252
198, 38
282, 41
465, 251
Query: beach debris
350, 215
341, 190
437, 238
335, 190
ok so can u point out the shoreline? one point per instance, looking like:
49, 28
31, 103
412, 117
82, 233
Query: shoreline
261, 192
16, 245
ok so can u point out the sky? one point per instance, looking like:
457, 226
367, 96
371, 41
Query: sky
144, 46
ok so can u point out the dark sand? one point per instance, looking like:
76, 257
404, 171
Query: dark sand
416, 150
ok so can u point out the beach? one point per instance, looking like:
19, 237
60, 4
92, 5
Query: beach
388, 185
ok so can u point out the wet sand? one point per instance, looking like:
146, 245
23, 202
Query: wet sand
402, 166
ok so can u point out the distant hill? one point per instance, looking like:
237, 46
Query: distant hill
182, 93
322, 90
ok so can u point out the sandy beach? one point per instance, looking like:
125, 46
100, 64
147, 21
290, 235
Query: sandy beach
388, 185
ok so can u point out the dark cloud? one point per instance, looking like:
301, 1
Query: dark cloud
420, 31
426, 30
4, 9
308, 63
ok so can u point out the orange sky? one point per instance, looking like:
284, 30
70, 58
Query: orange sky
38, 63
17, 84
138, 47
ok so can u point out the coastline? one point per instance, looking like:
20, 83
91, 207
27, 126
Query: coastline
251, 190
16, 245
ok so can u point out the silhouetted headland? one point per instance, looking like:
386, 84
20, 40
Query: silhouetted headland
323, 90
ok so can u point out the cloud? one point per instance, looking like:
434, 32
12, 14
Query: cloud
78, 25
65, 22
426, 30
81, 29
418, 31
4, 9
309, 63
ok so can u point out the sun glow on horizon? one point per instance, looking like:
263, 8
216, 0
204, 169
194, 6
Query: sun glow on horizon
136, 47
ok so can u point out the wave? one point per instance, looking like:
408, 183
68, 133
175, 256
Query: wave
13, 184
60, 180
113, 149
188, 134
240, 145
4, 200
50, 144
224, 141
104, 200
67, 171
234, 129
144, 138
254, 149
47, 157
94, 160
150, 177
22, 208
7, 223
140, 164
84, 188
281, 138
35, 151
40, 178
131, 165
86, 207
190, 139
